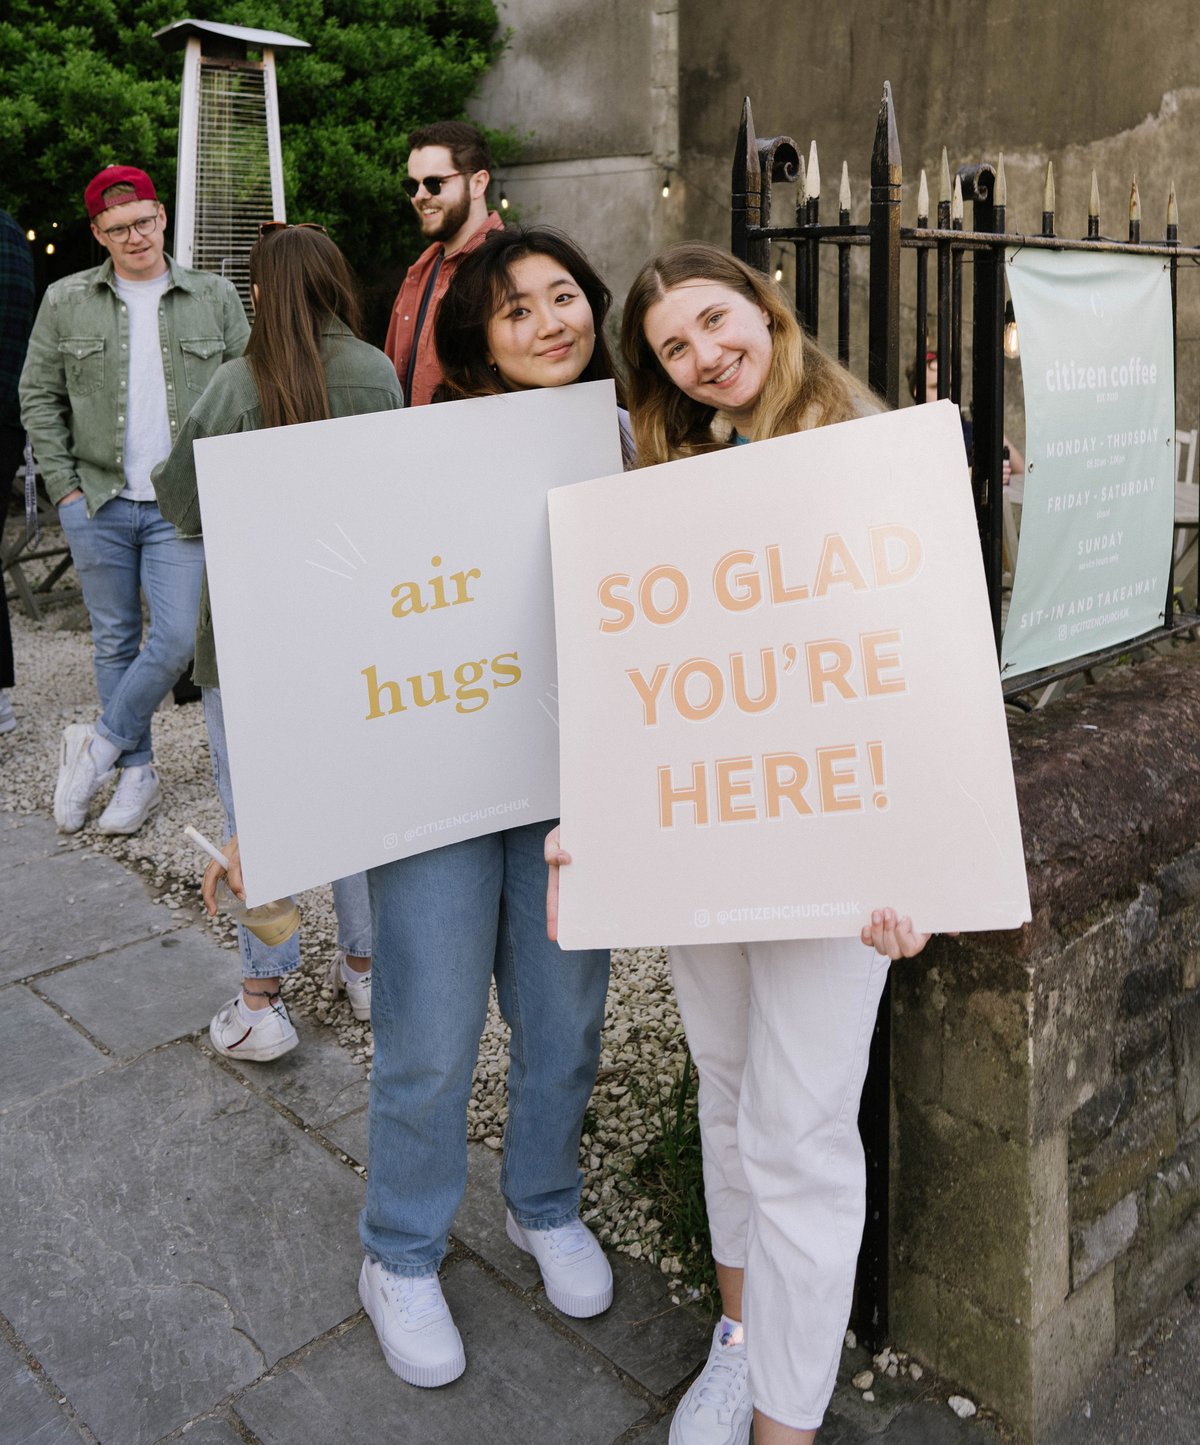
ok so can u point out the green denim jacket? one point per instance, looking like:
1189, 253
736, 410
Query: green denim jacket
358, 378
76, 376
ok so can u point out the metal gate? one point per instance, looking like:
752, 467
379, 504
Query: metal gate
757, 165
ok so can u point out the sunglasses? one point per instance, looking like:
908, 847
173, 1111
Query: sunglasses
268, 228
433, 184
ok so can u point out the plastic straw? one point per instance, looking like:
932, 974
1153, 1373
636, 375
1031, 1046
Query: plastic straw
210, 848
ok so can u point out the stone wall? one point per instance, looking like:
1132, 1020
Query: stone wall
608, 94
1046, 1126
591, 88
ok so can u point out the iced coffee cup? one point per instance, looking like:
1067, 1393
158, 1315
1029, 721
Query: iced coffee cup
272, 923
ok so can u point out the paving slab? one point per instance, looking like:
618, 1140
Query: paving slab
29, 1413
349, 1134
147, 993
479, 1223
524, 1383
27, 836
213, 1431
656, 1342
39, 1051
927, 1423
317, 1080
71, 906
175, 1238
654, 1432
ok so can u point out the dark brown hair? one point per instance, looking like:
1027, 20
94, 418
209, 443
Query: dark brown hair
482, 283
303, 283
468, 147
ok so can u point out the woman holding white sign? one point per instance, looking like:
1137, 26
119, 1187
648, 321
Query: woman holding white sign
304, 362
780, 1031
524, 310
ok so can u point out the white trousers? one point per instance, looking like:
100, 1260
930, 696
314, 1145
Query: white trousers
781, 1033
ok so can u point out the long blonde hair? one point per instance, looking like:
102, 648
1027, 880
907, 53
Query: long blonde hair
804, 388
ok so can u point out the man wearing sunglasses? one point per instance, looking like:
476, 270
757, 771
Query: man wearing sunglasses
449, 167
118, 357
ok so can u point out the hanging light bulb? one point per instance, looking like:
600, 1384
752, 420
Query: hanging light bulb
779, 266
503, 201
1012, 340
31, 235
666, 186
50, 248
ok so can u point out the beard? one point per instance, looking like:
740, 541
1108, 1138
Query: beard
449, 220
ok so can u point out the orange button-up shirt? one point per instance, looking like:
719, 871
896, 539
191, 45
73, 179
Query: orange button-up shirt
427, 372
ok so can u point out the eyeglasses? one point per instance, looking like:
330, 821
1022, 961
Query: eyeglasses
268, 228
143, 226
433, 184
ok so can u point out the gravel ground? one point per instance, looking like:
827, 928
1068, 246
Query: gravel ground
643, 1047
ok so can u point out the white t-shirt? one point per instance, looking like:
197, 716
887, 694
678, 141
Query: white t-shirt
147, 424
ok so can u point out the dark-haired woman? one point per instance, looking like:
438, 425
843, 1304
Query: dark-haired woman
304, 362
523, 310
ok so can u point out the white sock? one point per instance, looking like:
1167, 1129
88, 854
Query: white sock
251, 1016
731, 1332
104, 753
349, 975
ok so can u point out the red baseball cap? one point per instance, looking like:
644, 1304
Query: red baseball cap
93, 197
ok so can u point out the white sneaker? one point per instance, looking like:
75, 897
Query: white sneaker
7, 720
136, 797
270, 1035
356, 986
574, 1270
413, 1324
717, 1409
79, 780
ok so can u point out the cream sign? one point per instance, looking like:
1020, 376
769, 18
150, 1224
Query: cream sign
383, 615
779, 696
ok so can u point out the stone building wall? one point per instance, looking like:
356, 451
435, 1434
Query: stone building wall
1046, 1128
611, 94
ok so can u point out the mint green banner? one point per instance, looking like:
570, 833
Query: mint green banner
1099, 489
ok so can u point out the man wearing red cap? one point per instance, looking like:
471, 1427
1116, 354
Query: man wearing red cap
118, 357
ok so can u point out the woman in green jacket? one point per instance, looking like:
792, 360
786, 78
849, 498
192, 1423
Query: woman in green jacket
304, 361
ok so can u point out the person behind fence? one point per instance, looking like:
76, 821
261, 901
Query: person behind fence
118, 357
304, 362
449, 166
524, 310
16, 318
1012, 463
779, 1031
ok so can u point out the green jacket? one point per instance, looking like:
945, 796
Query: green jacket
76, 374
358, 377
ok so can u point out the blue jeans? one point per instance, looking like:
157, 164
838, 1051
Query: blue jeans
350, 900
126, 549
445, 923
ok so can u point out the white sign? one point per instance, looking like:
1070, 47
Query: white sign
779, 694
383, 613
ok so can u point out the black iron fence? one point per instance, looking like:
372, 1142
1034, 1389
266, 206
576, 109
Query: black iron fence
758, 166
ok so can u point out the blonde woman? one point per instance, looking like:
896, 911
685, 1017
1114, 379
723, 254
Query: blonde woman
779, 1031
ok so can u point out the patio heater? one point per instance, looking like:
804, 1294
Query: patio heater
230, 173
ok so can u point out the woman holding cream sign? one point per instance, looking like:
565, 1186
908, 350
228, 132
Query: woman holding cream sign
524, 310
780, 1031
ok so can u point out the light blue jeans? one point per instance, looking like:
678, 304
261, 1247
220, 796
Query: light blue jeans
126, 549
445, 924
350, 900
